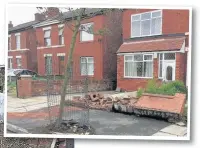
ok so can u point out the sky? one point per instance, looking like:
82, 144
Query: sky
19, 15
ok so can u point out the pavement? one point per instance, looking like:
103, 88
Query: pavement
32, 113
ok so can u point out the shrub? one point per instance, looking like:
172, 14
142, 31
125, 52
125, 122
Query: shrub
169, 88
139, 92
151, 86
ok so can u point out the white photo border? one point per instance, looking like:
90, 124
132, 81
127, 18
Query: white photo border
102, 5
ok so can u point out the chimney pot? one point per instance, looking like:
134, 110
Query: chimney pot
10, 25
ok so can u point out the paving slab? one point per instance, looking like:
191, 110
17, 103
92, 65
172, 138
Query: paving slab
175, 130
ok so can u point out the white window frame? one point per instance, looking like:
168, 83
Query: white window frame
47, 37
18, 42
91, 23
163, 59
143, 54
19, 57
132, 36
10, 58
9, 44
86, 63
62, 36
45, 58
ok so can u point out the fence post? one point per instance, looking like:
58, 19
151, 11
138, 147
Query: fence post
24, 88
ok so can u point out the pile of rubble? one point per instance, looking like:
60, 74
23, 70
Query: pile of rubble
152, 105
95, 101
104, 102
72, 127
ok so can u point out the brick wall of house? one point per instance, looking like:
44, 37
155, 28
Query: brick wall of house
112, 41
28, 57
174, 21
91, 48
132, 84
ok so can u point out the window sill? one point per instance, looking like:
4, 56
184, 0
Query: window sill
55, 46
145, 36
12, 50
138, 77
82, 42
91, 76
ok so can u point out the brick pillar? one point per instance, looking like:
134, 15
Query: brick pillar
24, 89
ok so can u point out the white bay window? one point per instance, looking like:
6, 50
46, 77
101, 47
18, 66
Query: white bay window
138, 66
146, 24
87, 66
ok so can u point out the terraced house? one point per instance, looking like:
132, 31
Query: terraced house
22, 45
94, 54
155, 45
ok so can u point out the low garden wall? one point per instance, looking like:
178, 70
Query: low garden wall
27, 87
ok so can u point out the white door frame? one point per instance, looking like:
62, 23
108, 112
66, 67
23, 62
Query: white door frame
173, 65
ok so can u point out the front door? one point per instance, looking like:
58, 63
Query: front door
61, 65
169, 71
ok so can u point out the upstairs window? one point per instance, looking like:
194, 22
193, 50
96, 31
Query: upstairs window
17, 36
146, 24
86, 33
61, 36
9, 43
47, 37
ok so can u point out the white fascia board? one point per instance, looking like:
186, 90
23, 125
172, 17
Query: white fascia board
150, 52
18, 56
182, 50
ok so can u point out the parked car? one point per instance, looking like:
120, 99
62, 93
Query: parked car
13, 73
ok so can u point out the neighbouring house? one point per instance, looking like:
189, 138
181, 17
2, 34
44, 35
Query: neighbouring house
22, 45
94, 55
155, 45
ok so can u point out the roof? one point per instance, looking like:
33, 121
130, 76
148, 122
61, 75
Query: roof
153, 44
68, 16
22, 26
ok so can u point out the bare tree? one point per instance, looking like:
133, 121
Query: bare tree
74, 24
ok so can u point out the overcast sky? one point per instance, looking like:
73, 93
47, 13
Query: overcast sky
19, 15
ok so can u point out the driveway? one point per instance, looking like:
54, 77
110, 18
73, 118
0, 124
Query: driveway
104, 123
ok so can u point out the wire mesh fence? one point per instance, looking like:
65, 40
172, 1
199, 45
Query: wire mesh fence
73, 111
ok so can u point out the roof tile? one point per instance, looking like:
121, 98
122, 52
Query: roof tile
162, 44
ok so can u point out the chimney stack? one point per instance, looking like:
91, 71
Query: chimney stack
52, 11
39, 17
10, 25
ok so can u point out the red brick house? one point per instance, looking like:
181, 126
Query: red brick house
96, 52
22, 45
155, 44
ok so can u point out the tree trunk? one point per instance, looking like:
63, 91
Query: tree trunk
67, 71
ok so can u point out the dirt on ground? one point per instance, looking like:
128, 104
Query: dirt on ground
27, 142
